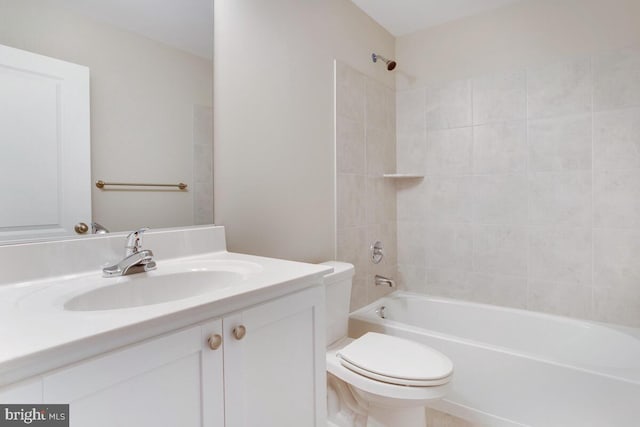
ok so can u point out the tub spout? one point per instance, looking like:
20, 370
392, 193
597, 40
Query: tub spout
383, 281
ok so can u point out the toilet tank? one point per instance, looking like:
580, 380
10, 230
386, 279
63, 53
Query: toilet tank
338, 299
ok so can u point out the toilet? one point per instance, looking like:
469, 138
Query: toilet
376, 380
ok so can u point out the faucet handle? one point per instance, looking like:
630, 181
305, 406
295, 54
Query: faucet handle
134, 241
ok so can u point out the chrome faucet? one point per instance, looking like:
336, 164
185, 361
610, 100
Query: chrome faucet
383, 281
97, 228
136, 259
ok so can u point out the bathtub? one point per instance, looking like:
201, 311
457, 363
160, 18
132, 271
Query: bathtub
519, 368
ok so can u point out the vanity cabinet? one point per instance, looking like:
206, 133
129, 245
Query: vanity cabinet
275, 374
260, 366
174, 380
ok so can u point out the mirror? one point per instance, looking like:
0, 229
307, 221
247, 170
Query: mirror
150, 69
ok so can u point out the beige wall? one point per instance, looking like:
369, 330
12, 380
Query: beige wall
527, 33
274, 155
143, 95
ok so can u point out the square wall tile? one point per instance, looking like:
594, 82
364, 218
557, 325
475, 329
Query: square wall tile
509, 291
449, 105
381, 200
561, 254
616, 198
412, 278
500, 97
353, 247
449, 246
449, 283
358, 293
560, 198
202, 185
203, 163
351, 199
559, 89
411, 152
203, 203
380, 152
616, 255
564, 299
202, 125
500, 199
350, 146
449, 151
350, 93
410, 111
410, 196
380, 106
449, 199
616, 140
500, 250
560, 144
617, 79
412, 244
615, 305
500, 148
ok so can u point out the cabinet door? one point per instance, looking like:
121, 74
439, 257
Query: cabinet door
275, 374
174, 380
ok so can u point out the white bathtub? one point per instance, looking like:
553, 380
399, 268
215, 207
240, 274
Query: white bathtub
516, 367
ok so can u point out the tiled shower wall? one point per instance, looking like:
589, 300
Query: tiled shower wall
531, 195
202, 165
366, 202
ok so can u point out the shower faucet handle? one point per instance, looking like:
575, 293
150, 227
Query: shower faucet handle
376, 252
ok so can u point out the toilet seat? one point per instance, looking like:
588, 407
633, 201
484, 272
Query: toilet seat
395, 360
396, 395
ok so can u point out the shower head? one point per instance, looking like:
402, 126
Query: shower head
390, 64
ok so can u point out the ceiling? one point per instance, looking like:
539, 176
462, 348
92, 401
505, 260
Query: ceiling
188, 24
184, 24
401, 17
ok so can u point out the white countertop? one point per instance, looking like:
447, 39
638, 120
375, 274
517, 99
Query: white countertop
37, 334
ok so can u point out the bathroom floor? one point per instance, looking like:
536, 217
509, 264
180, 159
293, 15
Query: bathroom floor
435, 419
441, 419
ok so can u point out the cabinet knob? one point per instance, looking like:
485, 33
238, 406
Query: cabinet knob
239, 332
81, 228
215, 341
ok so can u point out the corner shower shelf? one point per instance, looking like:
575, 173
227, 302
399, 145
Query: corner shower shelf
402, 176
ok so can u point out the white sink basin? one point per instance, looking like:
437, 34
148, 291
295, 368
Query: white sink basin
140, 291
174, 280
185, 281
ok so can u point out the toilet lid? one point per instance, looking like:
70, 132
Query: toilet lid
396, 361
